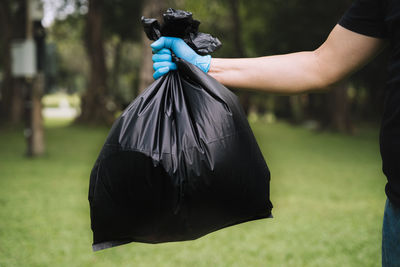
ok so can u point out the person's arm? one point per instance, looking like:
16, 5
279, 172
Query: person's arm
340, 55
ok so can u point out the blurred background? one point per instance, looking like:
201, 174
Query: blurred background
69, 67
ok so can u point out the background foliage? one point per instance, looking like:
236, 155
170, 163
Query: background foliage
254, 28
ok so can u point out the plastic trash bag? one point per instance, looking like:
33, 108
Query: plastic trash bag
180, 162
179, 23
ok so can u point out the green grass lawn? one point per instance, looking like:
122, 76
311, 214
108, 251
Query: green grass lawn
327, 189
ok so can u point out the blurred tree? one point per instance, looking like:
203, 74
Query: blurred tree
122, 19
116, 69
71, 59
94, 107
122, 27
106, 22
12, 23
368, 89
6, 102
236, 27
238, 44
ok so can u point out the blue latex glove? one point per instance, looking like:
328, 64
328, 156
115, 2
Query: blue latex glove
162, 63
162, 59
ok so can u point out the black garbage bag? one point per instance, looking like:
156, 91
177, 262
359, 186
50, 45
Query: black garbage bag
179, 23
180, 162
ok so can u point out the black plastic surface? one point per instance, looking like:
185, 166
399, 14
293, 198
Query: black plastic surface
179, 23
180, 162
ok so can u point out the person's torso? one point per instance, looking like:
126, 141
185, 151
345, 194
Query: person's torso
390, 129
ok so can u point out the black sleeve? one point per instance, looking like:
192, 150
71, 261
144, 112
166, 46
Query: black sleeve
366, 17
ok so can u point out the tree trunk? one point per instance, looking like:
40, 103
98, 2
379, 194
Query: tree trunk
296, 107
339, 109
244, 97
151, 9
34, 131
236, 28
115, 73
11, 99
116, 67
17, 102
94, 101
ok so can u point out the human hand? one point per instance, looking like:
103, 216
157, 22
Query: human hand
162, 63
163, 59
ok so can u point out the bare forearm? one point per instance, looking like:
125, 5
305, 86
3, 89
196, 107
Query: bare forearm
341, 54
289, 73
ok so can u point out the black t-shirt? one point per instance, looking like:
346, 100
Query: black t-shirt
381, 19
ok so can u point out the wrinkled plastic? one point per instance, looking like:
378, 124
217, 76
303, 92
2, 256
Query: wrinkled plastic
179, 23
180, 162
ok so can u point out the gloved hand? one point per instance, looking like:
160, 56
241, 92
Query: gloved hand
163, 60
162, 63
